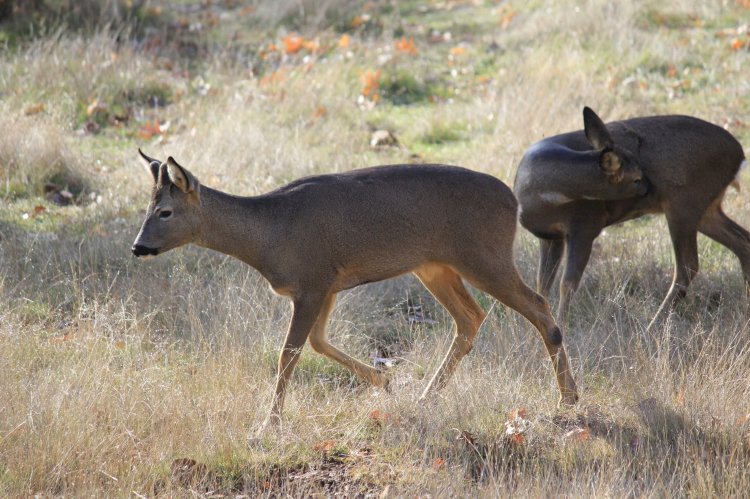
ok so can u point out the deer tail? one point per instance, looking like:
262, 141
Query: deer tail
736, 182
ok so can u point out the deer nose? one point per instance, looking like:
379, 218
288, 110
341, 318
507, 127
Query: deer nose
140, 250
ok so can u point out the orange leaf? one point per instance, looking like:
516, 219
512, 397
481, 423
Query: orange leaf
506, 16
458, 50
344, 41
91, 109
34, 109
150, 129
63, 338
380, 417
292, 43
39, 209
671, 71
310, 45
325, 446
518, 412
578, 435
737, 44
438, 463
517, 438
406, 46
370, 80
320, 111
273, 78
120, 345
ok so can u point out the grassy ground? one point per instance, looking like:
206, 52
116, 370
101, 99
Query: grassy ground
123, 377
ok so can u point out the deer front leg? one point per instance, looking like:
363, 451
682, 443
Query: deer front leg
550, 254
577, 253
306, 311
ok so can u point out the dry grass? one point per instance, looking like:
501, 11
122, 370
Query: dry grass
124, 377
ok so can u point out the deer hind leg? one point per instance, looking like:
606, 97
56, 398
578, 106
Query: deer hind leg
577, 252
722, 229
506, 285
685, 243
319, 342
550, 254
448, 288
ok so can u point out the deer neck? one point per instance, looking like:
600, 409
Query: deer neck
232, 225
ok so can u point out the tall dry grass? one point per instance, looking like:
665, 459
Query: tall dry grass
115, 370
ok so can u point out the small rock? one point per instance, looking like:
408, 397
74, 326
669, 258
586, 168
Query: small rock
383, 138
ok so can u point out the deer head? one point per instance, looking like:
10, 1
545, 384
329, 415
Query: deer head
173, 216
620, 166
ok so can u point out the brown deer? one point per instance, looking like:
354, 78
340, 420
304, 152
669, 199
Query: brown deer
573, 185
324, 234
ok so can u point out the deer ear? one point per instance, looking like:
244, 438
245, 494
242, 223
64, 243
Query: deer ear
610, 162
179, 176
596, 131
153, 165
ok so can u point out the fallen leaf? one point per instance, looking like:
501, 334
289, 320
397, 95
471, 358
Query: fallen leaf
120, 345
39, 209
33, 109
577, 435
517, 425
517, 438
187, 471
149, 129
406, 46
311, 46
506, 16
459, 50
325, 446
378, 417
360, 20
438, 463
344, 41
320, 112
371, 83
737, 44
293, 43
63, 338
468, 437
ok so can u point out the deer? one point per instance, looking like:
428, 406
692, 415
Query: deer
573, 185
320, 235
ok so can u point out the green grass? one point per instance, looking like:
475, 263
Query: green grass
116, 372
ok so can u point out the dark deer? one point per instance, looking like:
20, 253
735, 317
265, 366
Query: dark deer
573, 185
324, 234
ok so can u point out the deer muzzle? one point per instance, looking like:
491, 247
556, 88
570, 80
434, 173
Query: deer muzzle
140, 250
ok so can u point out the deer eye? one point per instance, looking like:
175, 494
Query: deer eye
165, 214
